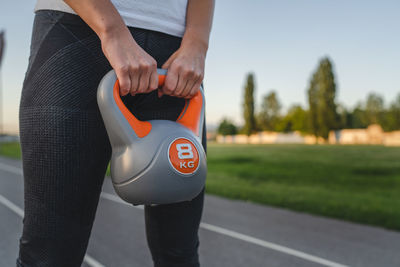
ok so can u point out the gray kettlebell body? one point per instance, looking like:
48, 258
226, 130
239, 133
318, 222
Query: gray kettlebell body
152, 166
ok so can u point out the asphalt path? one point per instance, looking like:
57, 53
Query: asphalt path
232, 233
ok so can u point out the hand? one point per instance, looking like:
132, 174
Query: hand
185, 71
136, 70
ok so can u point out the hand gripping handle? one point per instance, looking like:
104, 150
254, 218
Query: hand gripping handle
192, 115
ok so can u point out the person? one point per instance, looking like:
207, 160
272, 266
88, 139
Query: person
65, 147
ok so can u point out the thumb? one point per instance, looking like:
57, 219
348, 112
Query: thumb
169, 61
166, 66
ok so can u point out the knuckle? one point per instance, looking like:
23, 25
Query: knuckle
134, 68
178, 67
188, 72
123, 68
145, 66
198, 75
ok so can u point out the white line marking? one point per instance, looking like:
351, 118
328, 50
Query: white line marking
242, 237
269, 245
11, 206
217, 229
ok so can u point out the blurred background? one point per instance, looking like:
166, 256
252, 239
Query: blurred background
303, 114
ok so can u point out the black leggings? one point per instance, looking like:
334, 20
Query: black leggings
65, 147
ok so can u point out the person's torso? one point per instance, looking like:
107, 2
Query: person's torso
167, 16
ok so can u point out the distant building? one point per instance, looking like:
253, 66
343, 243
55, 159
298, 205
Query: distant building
392, 138
373, 135
269, 138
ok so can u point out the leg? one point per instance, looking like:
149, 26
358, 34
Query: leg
65, 147
63, 171
172, 230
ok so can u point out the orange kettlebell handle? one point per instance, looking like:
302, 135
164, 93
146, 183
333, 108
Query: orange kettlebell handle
162, 73
190, 116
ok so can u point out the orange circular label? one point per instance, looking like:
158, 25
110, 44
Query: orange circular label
183, 156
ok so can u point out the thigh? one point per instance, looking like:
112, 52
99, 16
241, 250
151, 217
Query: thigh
65, 148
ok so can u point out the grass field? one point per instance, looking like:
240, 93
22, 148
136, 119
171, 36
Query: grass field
355, 183
11, 150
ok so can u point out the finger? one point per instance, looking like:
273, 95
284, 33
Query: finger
180, 87
144, 81
194, 89
188, 87
187, 82
170, 82
153, 83
196, 86
185, 90
134, 76
167, 64
124, 80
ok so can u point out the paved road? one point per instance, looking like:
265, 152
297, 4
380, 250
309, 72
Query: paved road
233, 233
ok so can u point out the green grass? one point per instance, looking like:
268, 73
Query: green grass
11, 150
354, 183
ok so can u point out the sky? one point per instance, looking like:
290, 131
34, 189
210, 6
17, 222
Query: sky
279, 41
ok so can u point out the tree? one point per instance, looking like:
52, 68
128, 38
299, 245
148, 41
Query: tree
300, 120
359, 117
270, 112
328, 119
393, 115
345, 117
374, 108
313, 104
226, 127
296, 119
321, 98
248, 106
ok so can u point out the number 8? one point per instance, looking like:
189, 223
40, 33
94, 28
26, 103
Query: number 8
184, 151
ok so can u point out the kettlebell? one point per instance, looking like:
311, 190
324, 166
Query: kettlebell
155, 161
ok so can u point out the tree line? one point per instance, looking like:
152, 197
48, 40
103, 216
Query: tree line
322, 115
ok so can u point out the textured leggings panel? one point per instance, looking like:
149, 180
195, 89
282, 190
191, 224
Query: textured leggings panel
65, 147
